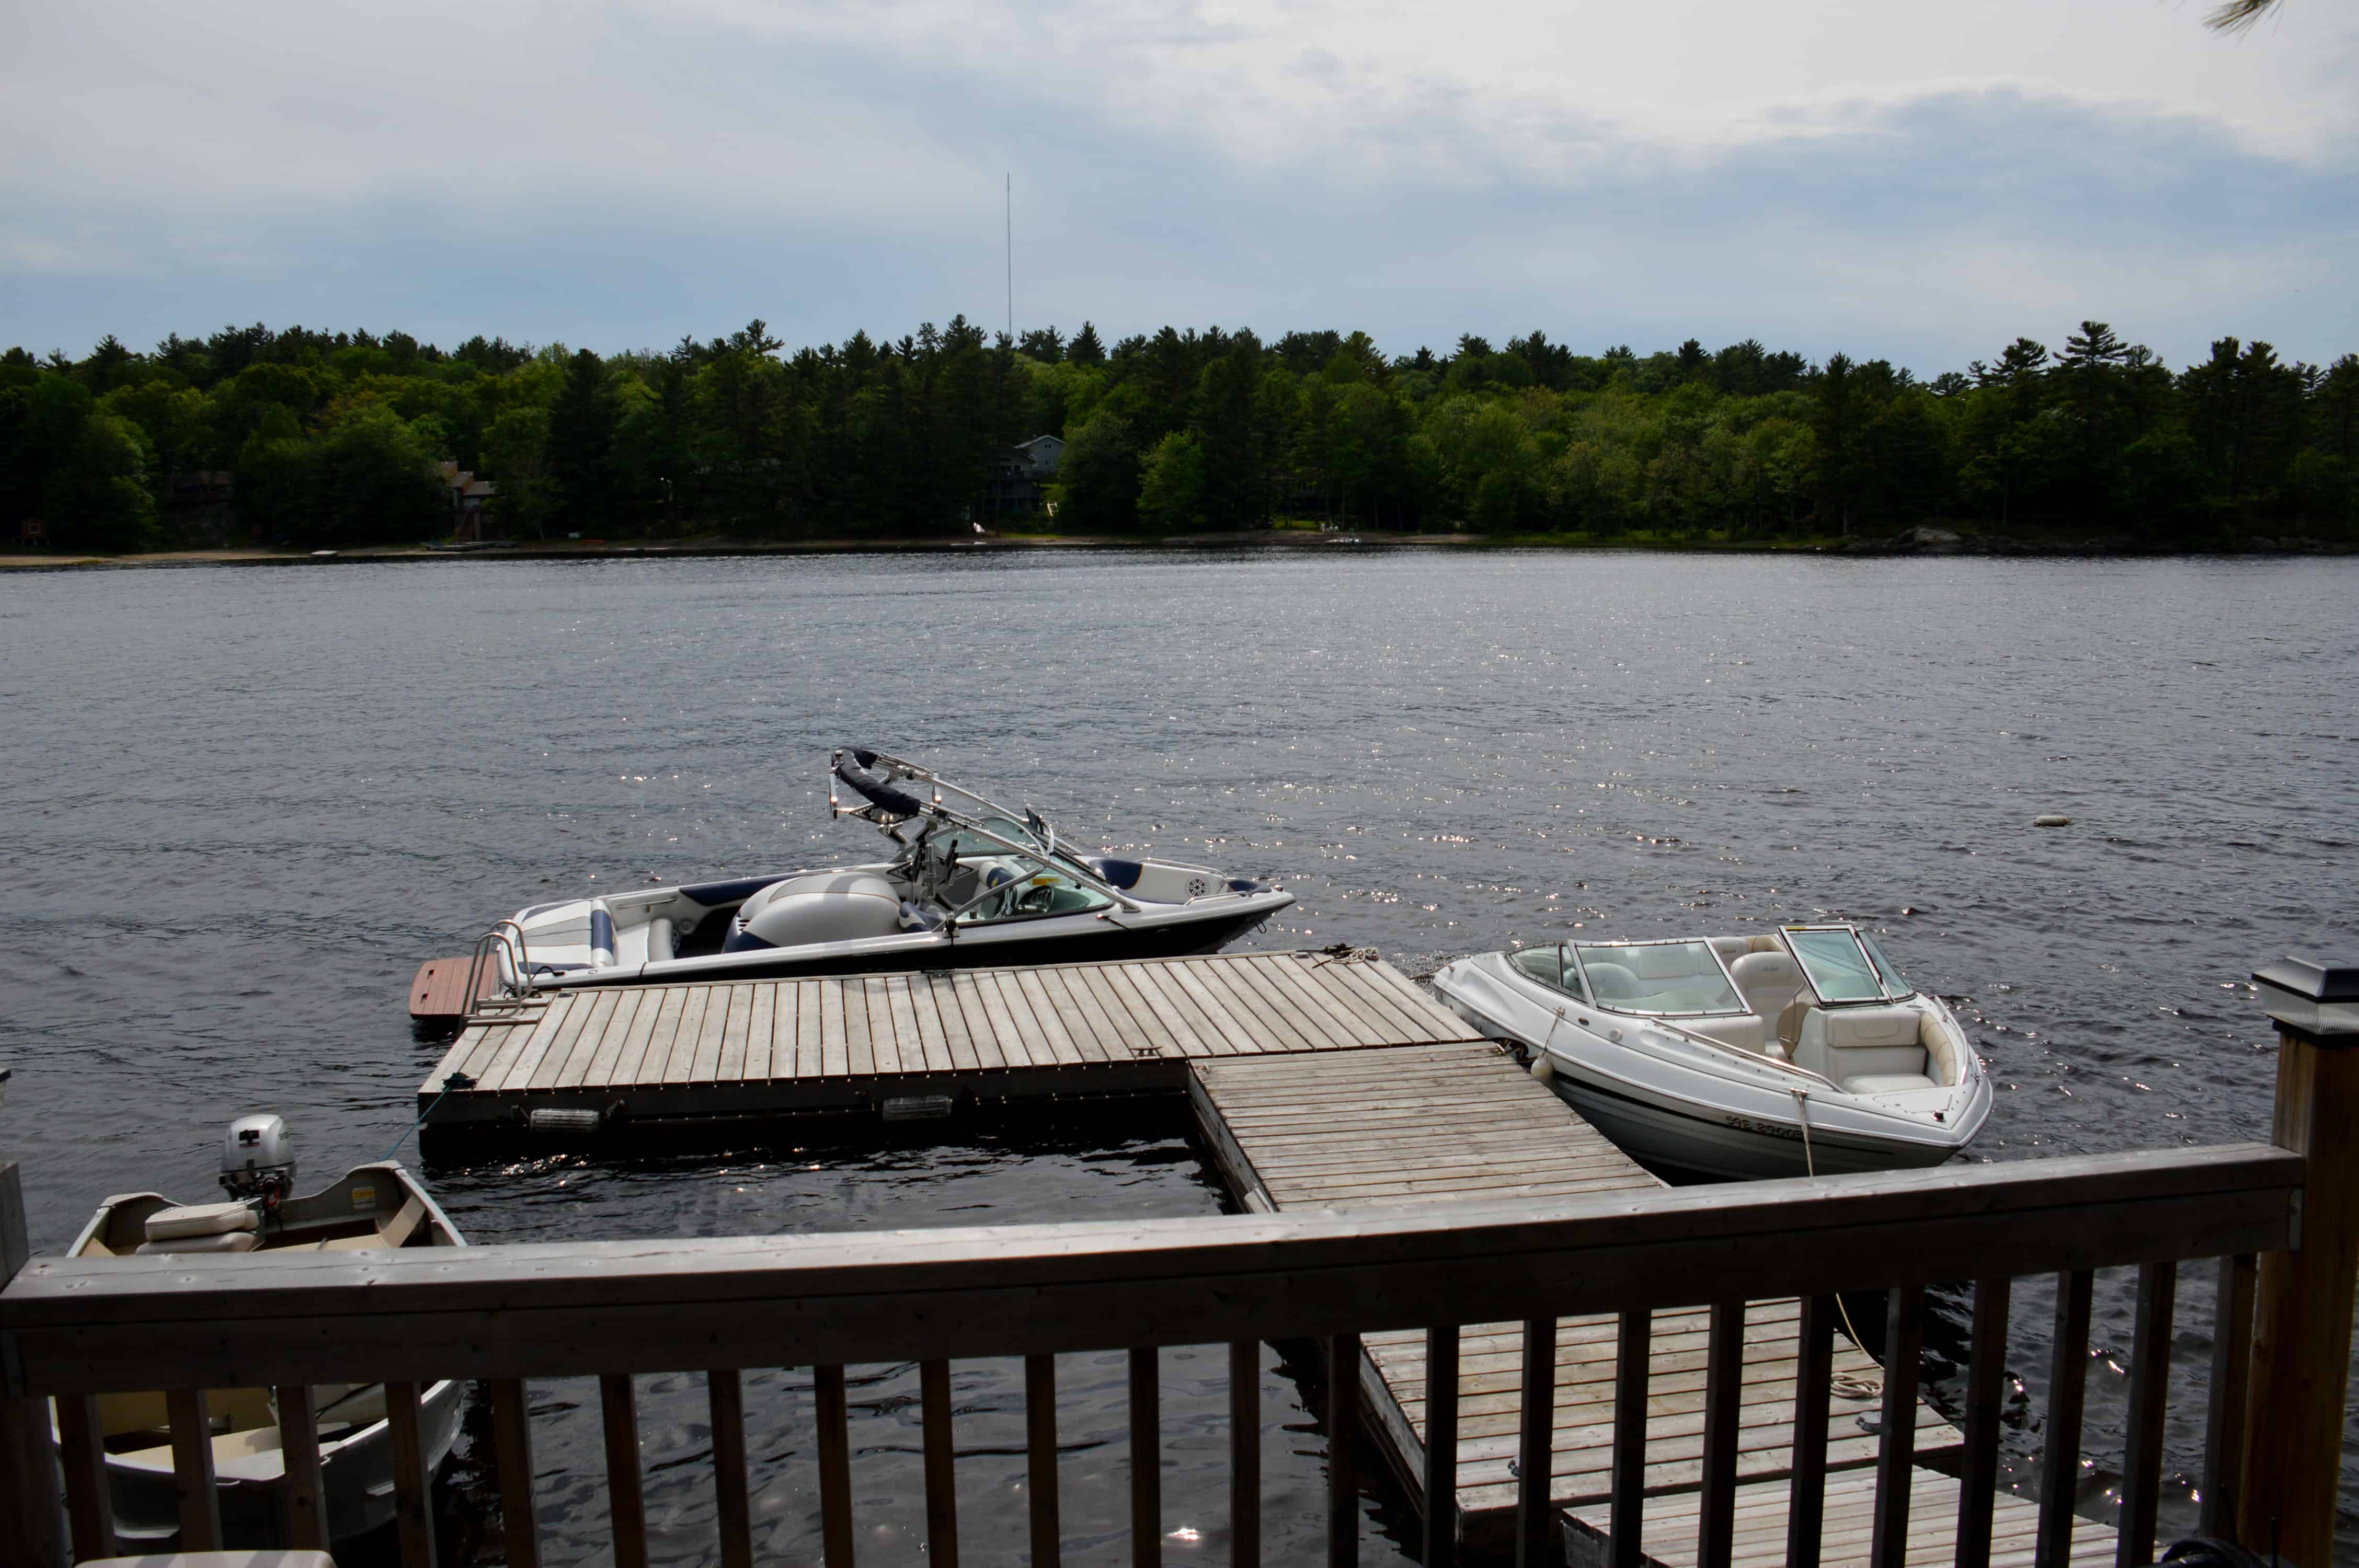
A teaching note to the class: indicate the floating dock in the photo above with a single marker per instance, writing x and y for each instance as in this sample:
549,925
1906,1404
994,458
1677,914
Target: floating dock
648,1054
1463,1124
1320,1080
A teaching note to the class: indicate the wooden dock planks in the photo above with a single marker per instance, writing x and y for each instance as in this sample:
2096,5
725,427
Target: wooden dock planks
1667,1532
851,1041
1461,1123
440,988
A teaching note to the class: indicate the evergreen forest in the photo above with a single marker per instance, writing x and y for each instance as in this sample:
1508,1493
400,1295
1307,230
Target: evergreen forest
310,438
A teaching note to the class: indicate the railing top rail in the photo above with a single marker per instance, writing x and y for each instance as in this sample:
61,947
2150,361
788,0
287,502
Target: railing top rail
581,1307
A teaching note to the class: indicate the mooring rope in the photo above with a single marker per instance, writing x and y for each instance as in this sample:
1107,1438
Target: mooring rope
1841,1383
455,1081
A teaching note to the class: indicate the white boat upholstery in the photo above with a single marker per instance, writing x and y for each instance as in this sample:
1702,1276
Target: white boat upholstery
1742,1031
1885,1083
231,1241
1858,1045
199,1219
1767,982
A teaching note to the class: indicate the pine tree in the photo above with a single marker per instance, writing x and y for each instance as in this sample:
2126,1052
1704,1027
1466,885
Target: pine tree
581,443
2090,372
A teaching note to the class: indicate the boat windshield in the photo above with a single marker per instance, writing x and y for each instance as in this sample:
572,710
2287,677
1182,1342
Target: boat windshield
1657,976
1551,966
1845,964
970,843
1896,984
967,845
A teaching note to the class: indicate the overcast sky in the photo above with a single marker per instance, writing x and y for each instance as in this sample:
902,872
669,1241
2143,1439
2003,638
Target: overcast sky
1915,181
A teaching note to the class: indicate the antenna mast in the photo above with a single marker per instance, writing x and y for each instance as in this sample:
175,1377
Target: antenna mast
1011,258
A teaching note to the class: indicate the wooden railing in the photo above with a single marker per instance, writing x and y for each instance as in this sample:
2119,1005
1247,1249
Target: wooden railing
503,1313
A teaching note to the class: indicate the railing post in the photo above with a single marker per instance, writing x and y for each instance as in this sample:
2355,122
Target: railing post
2302,1318
32,1517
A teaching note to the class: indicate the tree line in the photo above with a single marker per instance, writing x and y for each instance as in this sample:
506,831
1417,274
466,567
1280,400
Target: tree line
332,439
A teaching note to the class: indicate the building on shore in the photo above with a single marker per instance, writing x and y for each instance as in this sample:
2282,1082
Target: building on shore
1019,477
468,495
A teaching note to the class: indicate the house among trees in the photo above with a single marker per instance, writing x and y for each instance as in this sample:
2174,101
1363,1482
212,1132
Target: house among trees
200,487
468,495
1018,479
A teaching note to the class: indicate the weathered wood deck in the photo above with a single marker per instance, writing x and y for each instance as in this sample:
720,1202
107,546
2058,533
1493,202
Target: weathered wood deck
1461,1123
1669,1533
440,989
856,1042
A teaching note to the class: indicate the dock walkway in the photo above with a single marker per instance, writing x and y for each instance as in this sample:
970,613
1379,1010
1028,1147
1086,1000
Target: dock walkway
1463,1124
864,1042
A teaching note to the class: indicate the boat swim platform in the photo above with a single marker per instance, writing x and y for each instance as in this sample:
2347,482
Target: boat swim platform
908,1045
1455,1123
440,989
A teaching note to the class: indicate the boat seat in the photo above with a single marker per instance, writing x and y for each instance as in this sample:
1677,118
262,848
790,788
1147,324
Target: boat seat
1887,1083
1767,982
396,1231
1742,1031
1847,1043
250,1454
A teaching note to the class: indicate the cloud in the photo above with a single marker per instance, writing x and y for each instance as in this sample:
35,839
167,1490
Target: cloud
618,175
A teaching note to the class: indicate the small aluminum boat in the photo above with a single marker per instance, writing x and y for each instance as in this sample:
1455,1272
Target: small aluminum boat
1780,1055
971,883
369,1208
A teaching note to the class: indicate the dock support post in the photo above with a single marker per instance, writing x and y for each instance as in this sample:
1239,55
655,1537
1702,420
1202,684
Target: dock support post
32,1515
2303,1299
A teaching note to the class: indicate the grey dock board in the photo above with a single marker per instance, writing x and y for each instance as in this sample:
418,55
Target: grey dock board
1456,1122
1666,1532
846,1042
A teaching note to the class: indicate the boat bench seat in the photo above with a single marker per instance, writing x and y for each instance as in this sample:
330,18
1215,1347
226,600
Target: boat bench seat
1887,1083
1851,1043
1742,1031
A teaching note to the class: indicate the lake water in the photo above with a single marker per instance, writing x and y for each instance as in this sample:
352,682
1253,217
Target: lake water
242,805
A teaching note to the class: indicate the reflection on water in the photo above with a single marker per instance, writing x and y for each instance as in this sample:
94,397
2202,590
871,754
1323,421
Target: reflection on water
242,805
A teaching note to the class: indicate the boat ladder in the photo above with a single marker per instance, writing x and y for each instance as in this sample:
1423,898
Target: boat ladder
516,992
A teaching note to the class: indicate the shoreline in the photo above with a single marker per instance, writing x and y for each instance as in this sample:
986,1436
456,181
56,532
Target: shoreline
1923,542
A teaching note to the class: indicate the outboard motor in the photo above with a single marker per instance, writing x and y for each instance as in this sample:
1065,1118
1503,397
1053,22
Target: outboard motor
258,1159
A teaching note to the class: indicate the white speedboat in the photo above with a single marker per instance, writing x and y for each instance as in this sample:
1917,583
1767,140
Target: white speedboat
971,883
1780,1055
370,1208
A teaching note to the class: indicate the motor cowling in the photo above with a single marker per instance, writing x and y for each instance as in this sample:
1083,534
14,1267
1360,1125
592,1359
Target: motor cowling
258,1158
